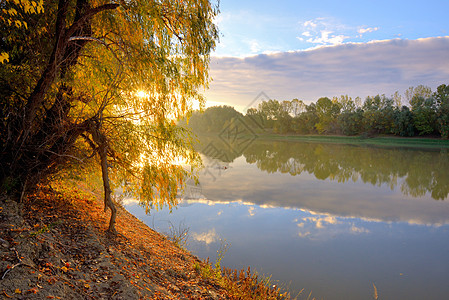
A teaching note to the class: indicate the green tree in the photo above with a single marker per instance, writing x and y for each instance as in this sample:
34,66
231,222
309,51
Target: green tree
269,110
327,112
275,115
351,122
403,122
422,91
306,121
213,120
346,103
105,80
378,114
424,114
442,101
297,107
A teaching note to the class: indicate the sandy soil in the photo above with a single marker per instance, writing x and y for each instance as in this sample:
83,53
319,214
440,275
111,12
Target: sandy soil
58,248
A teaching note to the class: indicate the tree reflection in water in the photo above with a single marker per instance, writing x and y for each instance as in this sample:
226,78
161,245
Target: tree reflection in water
422,170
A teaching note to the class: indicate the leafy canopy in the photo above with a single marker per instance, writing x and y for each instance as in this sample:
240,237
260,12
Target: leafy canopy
85,80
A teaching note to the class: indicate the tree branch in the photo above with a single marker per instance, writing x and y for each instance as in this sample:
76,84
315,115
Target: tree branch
86,38
89,14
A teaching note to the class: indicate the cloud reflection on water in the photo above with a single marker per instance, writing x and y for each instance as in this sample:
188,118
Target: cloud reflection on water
388,185
208,237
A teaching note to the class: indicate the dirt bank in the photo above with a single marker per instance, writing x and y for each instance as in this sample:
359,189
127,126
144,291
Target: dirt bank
59,249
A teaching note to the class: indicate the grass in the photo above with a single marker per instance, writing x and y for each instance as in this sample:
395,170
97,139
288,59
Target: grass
384,141
178,234
240,284
243,284
45,228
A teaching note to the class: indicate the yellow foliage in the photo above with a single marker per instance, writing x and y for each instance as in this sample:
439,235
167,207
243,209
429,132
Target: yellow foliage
14,18
4,57
159,47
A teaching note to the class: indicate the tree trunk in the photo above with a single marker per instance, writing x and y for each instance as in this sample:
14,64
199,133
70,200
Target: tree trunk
100,139
103,151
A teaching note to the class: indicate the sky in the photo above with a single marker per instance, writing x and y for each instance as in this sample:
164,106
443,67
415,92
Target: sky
288,49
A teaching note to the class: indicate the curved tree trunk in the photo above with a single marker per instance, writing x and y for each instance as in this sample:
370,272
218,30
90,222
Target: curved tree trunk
103,151
100,139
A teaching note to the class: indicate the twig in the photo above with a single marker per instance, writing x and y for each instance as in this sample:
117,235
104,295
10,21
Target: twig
86,38
66,155
17,264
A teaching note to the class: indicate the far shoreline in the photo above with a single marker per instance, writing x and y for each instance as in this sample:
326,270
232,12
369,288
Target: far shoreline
360,140
384,141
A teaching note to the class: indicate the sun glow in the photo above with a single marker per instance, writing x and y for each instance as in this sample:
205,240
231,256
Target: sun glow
142,94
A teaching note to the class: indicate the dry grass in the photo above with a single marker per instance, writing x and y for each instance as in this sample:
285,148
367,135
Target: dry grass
375,296
248,285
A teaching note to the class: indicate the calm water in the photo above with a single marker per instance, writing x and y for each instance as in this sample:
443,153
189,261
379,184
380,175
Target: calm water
332,219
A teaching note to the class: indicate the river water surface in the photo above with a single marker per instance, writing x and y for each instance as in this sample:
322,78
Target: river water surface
331,219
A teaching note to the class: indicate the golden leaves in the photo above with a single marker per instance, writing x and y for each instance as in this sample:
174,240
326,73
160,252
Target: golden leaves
24,6
15,18
4,57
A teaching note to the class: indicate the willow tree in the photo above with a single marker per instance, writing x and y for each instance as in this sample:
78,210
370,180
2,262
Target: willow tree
103,80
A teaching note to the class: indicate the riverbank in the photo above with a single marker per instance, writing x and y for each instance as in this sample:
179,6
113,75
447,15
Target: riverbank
58,248
383,141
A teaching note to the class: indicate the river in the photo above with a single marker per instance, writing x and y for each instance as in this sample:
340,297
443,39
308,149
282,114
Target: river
336,220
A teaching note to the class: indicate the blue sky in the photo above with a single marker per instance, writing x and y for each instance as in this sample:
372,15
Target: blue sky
254,27
259,35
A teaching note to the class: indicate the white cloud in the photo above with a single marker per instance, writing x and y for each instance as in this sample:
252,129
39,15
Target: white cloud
323,31
356,69
355,229
327,38
303,234
206,237
322,226
130,201
251,211
367,30
254,45
306,33
320,221
311,23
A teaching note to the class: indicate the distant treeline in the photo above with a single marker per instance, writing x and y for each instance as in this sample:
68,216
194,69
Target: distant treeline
426,113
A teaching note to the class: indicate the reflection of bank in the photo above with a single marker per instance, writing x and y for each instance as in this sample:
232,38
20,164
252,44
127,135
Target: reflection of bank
237,135
391,185
215,161
213,150
418,172
192,191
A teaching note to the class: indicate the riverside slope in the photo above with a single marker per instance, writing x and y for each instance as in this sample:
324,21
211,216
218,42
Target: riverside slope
58,248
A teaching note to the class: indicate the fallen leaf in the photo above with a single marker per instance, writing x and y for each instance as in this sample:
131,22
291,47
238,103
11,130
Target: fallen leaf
33,290
18,291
